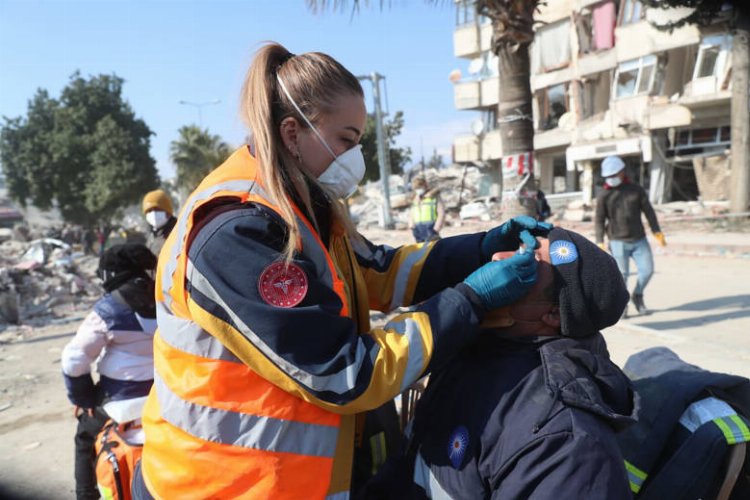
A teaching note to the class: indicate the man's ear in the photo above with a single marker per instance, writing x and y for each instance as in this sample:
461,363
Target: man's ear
552,317
289,129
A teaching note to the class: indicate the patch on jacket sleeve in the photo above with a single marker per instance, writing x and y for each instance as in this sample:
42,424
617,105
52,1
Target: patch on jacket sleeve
283,285
457,445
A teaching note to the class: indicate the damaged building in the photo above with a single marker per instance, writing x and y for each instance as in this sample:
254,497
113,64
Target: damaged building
605,81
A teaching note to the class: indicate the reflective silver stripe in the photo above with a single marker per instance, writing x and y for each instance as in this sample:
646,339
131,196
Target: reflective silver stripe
424,477
705,410
248,431
410,329
339,382
189,337
171,266
402,275
343,495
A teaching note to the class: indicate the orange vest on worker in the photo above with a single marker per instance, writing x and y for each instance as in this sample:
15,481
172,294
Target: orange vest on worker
214,427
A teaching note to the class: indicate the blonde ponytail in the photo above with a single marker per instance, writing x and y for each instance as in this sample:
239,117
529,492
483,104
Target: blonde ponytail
316,82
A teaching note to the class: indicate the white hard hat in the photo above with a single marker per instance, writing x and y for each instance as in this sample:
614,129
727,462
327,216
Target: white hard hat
612,165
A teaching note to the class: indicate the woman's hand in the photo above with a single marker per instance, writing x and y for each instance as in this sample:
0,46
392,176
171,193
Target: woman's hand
507,237
502,282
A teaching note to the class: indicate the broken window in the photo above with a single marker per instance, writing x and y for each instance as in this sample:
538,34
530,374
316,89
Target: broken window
635,77
596,27
551,48
595,91
712,55
553,103
631,11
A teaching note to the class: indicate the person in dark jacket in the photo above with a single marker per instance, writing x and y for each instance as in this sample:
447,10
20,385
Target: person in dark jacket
531,409
618,213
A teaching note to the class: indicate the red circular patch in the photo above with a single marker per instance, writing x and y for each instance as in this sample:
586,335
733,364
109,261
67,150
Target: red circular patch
283,285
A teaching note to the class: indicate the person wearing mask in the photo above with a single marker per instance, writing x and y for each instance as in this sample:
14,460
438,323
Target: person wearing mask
532,407
159,213
427,212
266,365
618,214
117,335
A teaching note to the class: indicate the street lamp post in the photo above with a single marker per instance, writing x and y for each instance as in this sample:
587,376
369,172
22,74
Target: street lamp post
383,156
200,106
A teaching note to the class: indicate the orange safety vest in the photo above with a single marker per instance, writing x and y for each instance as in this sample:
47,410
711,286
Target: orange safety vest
214,427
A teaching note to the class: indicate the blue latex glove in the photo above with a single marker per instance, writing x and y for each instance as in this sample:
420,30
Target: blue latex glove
502,282
506,237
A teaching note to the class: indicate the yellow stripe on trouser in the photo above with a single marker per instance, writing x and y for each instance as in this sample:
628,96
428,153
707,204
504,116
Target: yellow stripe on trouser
378,450
636,477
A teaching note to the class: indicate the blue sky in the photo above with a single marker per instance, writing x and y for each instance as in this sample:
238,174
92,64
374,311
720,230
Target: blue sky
172,50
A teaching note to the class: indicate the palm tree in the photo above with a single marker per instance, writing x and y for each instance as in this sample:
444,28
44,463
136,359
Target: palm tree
195,153
512,33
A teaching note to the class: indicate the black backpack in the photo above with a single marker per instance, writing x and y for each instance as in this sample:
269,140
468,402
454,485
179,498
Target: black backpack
691,438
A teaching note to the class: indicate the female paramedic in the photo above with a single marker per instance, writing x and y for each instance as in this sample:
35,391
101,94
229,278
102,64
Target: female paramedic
264,354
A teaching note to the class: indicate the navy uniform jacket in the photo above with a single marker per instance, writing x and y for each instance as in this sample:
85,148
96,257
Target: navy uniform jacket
517,419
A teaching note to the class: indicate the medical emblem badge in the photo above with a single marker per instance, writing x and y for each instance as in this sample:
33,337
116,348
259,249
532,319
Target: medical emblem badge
562,252
457,445
283,285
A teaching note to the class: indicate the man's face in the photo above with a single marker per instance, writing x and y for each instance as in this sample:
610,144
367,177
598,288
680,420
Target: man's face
539,305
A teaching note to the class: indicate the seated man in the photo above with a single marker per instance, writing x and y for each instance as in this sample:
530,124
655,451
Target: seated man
531,409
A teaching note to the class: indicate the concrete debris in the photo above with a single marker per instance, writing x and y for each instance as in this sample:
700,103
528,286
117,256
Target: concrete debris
458,186
43,280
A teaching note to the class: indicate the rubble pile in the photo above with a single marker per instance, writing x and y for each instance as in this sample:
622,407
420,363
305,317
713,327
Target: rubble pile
44,279
464,190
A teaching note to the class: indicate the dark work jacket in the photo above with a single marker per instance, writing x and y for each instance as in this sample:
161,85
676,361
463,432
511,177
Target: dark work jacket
672,462
618,212
517,419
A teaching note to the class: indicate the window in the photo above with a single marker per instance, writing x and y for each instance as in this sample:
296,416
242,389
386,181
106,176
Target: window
699,137
631,11
595,27
465,13
635,77
553,103
712,54
489,119
551,48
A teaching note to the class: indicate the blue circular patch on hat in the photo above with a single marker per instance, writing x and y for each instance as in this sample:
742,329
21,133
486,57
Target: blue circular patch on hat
562,252
457,445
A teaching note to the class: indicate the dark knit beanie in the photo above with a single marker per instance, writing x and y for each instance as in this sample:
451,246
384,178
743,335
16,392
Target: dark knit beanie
121,263
592,293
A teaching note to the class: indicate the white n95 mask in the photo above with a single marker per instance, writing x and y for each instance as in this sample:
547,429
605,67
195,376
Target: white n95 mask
346,171
613,181
156,218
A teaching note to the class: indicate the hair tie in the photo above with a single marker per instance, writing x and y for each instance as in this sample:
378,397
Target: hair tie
288,56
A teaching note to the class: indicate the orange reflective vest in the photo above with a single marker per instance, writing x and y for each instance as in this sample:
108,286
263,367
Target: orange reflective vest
216,428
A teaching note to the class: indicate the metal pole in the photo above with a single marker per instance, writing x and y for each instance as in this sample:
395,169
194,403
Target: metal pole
199,106
382,155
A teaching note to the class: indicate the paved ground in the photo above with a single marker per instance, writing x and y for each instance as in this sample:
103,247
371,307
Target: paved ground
701,311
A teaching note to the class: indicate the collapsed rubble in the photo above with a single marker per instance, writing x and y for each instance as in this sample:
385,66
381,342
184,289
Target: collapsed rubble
43,280
466,191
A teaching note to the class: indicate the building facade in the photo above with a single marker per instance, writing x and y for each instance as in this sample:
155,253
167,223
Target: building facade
605,81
